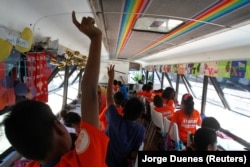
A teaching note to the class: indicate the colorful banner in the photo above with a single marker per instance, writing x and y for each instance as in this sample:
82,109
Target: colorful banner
224,68
182,69
238,69
36,64
174,68
196,69
190,68
166,68
210,68
247,75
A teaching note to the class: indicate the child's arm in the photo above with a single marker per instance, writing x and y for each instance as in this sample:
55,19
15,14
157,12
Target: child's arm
89,99
111,74
122,80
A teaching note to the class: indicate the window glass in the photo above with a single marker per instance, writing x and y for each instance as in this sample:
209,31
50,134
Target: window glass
237,94
56,81
73,77
3,140
55,102
134,77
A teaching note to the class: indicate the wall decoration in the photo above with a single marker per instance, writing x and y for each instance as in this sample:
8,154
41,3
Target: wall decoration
174,68
182,69
210,68
166,68
190,68
196,69
238,69
224,69
36,62
247,75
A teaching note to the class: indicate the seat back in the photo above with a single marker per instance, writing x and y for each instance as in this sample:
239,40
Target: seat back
173,132
151,105
157,120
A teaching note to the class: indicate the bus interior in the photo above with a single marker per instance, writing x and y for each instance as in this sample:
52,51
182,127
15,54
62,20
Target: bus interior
197,47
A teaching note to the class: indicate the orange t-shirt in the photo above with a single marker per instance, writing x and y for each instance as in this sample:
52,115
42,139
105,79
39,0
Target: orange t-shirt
166,111
102,117
91,147
115,88
157,93
103,102
186,123
169,103
139,93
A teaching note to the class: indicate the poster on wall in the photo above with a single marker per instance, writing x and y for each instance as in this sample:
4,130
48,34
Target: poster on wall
195,68
247,75
182,69
238,69
174,68
166,68
190,68
210,68
224,68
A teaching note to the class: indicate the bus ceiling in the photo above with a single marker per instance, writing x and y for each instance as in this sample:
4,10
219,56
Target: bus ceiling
147,31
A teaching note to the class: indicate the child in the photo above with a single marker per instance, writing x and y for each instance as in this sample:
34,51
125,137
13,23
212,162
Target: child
187,118
125,134
205,139
119,101
168,96
34,131
166,111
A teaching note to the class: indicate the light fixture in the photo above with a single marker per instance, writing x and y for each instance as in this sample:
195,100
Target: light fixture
162,25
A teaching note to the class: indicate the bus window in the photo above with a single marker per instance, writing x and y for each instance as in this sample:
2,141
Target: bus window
3,140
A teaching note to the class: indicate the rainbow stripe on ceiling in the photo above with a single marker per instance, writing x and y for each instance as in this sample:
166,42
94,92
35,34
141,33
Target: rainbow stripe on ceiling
216,11
128,20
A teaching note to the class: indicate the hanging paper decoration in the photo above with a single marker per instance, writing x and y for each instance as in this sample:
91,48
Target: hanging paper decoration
166,68
196,69
2,70
238,69
11,97
247,75
5,49
71,59
21,89
174,68
182,68
224,68
190,68
3,97
36,62
24,42
210,68
7,82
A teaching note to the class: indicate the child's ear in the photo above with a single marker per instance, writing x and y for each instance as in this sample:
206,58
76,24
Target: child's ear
210,147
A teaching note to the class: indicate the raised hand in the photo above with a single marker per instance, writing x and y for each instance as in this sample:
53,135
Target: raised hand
87,26
111,71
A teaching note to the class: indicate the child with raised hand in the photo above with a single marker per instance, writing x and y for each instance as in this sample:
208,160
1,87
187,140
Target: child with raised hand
126,135
34,131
